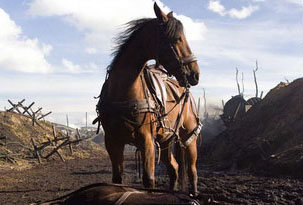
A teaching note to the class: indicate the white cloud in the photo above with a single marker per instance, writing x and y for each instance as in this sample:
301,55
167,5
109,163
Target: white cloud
275,46
194,29
217,7
100,20
94,14
243,13
299,2
91,50
244,43
46,49
70,66
19,53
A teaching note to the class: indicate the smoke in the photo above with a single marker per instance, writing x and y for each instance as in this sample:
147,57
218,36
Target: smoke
212,123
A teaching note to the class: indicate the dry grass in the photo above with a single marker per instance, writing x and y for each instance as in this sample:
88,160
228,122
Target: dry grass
17,152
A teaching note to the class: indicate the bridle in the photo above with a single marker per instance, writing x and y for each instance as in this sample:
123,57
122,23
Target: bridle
164,41
183,61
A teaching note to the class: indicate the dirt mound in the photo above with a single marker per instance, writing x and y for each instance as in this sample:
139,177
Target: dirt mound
16,148
269,137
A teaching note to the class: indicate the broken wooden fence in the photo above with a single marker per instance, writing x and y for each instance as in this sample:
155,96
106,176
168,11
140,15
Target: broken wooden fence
28,111
56,144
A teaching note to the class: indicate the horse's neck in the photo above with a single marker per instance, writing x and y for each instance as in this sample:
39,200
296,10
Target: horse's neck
124,82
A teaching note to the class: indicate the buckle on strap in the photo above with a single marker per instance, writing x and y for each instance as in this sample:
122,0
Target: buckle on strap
188,59
194,134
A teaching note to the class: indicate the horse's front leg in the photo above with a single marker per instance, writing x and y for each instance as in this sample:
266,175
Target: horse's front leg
115,152
171,164
148,160
191,152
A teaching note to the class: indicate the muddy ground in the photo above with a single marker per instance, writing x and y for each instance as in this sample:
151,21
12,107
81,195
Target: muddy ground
56,178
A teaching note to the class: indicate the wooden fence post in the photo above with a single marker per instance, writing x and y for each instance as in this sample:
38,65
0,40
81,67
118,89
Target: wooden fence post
36,151
56,150
69,144
54,134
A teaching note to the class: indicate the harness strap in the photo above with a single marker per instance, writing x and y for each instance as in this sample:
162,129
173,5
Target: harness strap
124,196
134,106
159,151
194,134
178,121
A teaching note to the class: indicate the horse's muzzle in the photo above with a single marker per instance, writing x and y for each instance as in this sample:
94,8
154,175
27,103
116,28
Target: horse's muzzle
193,78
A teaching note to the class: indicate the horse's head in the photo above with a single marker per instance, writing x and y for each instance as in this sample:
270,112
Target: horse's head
173,50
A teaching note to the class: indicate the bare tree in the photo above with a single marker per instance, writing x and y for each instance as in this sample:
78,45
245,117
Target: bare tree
255,78
237,72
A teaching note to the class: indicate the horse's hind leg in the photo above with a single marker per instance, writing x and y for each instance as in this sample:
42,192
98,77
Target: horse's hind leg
191,152
171,164
115,152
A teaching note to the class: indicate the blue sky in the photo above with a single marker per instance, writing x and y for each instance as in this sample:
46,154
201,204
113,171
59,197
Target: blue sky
55,52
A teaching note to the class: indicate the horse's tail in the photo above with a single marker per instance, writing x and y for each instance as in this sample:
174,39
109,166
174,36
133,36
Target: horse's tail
181,159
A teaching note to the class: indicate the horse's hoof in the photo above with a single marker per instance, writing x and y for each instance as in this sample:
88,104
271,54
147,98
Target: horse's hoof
194,195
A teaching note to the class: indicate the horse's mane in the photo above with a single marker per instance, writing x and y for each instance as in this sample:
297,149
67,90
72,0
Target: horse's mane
171,29
123,38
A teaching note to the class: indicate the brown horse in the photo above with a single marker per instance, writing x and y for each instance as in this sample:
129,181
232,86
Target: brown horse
114,194
124,109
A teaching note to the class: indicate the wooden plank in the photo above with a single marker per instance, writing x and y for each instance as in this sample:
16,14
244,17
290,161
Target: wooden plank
39,109
59,154
79,140
19,104
70,147
69,143
36,151
27,108
57,151
67,123
54,134
57,148
44,145
78,136
33,119
15,106
44,115
61,138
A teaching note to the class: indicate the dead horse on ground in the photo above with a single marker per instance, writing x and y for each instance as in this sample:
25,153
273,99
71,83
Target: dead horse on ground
116,194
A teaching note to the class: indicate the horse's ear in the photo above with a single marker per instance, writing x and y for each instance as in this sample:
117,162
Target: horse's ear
160,15
170,14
